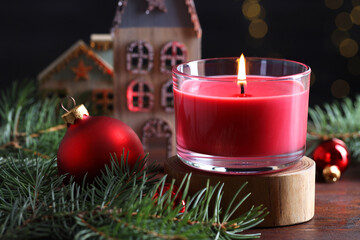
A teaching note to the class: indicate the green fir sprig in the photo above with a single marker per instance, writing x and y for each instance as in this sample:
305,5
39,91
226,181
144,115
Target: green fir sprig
24,117
120,204
336,120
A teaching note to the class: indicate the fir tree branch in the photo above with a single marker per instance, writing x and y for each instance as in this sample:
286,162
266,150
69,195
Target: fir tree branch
30,202
24,120
325,137
337,120
35,203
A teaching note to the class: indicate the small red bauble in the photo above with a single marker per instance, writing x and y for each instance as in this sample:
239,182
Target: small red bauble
331,153
178,200
90,141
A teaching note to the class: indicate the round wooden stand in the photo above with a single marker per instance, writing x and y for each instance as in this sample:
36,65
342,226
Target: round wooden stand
288,195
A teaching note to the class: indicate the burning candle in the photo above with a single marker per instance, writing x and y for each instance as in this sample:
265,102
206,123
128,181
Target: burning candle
241,122
241,77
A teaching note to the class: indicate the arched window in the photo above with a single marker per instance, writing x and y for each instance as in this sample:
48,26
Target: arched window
173,53
139,57
156,138
103,101
140,96
167,96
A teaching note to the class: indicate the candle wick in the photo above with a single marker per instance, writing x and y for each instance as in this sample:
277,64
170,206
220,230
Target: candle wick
242,88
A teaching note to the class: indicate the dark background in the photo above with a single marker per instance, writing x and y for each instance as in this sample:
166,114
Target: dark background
34,33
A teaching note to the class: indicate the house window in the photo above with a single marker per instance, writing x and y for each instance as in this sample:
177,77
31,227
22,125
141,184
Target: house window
140,96
103,101
167,96
172,54
139,57
156,139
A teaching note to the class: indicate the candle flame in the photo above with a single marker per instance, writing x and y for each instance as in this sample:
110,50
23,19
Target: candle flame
241,70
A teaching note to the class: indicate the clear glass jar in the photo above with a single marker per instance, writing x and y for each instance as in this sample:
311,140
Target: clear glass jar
221,130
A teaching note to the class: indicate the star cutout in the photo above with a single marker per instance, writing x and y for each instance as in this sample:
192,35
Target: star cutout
81,71
152,4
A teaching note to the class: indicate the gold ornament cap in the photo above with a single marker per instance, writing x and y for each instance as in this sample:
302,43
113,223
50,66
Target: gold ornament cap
77,112
331,173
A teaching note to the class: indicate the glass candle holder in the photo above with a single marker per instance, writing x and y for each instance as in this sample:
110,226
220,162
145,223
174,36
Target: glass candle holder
220,129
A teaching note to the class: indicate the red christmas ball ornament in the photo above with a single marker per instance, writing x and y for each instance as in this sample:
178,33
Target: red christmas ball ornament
178,200
89,143
332,158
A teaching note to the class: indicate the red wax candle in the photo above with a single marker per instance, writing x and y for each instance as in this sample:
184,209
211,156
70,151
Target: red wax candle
213,118
220,129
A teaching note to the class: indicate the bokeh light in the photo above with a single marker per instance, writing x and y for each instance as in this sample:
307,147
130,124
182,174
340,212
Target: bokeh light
354,65
355,15
348,48
340,88
251,9
333,4
343,21
338,36
258,28
256,13
355,2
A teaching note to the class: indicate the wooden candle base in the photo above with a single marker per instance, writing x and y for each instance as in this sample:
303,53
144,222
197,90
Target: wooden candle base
289,195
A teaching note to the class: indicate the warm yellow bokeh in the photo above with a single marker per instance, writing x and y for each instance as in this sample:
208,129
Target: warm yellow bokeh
343,21
258,28
340,88
334,4
355,2
251,9
355,15
348,48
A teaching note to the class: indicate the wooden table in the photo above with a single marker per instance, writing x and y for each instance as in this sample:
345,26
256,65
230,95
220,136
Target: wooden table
337,212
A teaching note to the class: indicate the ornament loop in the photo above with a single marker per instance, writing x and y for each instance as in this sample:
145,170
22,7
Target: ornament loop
62,106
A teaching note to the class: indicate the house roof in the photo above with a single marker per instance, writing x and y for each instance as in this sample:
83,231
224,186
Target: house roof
134,13
61,62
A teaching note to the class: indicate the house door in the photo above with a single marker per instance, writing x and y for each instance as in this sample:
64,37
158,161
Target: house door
156,138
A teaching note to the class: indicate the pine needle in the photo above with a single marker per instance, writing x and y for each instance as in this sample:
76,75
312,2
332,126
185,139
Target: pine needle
120,204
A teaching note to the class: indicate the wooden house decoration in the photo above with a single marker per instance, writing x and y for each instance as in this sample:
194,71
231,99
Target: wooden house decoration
81,73
127,74
149,38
